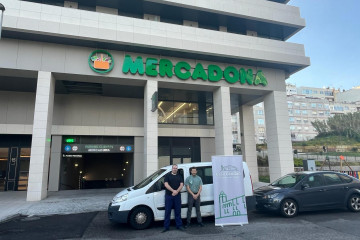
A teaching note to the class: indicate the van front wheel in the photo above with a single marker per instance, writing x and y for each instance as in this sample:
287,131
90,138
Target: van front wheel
141,218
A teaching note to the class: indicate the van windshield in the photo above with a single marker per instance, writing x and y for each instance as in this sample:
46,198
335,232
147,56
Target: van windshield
149,179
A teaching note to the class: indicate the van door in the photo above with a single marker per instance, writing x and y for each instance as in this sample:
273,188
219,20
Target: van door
158,191
207,193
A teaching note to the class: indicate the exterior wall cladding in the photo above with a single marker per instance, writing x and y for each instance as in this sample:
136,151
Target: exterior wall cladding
48,44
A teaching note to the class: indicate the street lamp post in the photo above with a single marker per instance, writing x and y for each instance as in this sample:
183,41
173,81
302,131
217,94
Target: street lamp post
2,9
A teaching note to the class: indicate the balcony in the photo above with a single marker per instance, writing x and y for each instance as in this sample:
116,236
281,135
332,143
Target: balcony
46,23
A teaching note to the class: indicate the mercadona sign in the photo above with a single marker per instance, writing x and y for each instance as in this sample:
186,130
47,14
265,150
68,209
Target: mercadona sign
182,70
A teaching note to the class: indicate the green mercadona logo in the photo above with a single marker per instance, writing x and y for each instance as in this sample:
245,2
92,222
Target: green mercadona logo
101,61
183,70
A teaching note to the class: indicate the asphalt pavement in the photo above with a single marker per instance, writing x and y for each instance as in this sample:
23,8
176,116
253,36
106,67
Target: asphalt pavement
335,224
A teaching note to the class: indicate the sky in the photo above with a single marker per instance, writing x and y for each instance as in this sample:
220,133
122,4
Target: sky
332,41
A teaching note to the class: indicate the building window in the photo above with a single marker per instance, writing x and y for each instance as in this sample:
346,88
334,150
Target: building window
307,91
297,112
298,120
303,104
290,111
338,108
290,104
321,113
320,105
261,130
291,119
314,113
292,127
185,107
304,112
260,112
261,121
327,93
313,105
297,104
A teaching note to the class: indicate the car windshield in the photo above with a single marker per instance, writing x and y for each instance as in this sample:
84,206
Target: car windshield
149,179
288,181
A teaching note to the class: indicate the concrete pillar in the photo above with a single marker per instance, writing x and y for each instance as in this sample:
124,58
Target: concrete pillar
222,115
207,146
248,144
150,130
278,135
55,161
41,137
138,159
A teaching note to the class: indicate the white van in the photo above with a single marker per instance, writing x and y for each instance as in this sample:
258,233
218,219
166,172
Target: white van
144,203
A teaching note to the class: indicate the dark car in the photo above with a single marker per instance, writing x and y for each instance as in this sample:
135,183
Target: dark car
307,191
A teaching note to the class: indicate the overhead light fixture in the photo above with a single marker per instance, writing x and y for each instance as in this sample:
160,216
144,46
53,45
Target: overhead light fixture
174,112
76,164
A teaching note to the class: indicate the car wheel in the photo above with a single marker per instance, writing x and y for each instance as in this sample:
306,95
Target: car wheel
354,203
289,208
141,218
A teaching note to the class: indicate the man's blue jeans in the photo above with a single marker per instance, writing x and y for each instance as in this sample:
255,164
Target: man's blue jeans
170,203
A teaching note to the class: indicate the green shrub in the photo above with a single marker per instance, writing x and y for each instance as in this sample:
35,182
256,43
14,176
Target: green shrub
264,179
298,162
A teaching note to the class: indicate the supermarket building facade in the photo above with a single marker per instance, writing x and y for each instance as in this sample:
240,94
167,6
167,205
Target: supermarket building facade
100,95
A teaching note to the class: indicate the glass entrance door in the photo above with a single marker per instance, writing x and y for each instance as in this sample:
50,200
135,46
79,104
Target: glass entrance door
16,173
23,169
4,158
178,150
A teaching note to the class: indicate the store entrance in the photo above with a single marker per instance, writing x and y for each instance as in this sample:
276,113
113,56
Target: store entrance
14,162
97,170
178,150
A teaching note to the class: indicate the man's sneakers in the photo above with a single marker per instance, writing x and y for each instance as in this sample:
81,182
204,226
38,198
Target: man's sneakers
188,225
165,230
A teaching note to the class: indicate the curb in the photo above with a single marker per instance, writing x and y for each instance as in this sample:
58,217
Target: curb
10,217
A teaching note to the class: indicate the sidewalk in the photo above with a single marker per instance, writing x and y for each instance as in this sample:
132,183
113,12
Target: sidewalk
63,202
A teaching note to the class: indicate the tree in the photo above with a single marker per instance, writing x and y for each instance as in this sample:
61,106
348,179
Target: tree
347,125
320,126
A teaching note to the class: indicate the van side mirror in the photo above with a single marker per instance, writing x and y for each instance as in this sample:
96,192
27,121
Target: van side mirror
304,186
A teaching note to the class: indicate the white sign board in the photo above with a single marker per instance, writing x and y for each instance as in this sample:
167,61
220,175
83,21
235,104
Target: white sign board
229,192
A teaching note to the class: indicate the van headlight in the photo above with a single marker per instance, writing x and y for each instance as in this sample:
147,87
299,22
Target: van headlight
121,198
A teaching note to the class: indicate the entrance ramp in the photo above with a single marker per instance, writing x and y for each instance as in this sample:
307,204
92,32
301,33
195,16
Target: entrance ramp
13,204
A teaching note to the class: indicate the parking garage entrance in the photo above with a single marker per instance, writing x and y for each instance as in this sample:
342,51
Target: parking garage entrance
96,162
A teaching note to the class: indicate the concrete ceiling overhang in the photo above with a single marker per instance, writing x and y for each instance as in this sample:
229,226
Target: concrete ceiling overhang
289,68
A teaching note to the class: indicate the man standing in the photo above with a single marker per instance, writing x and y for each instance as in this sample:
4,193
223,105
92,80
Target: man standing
173,183
194,186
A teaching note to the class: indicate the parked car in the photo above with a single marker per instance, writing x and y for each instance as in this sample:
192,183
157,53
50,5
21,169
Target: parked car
144,203
307,191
